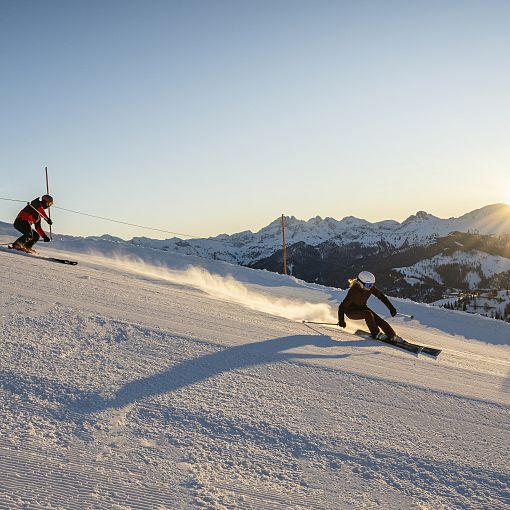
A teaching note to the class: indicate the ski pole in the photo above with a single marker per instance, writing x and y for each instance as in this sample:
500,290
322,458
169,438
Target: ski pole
48,192
405,315
323,323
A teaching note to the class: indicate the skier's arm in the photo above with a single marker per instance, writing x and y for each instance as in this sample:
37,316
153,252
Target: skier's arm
341,309
341,317
42,212
39,230
379,295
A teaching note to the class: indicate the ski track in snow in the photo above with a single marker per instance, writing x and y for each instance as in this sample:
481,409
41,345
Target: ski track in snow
122,390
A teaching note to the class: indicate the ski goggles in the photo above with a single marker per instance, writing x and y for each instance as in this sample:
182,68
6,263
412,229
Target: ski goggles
366,285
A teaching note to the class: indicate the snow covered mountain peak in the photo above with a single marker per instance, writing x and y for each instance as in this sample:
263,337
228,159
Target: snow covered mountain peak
499,208
420,216
495,214
352,221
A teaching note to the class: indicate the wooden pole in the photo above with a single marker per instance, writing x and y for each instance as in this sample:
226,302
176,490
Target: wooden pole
47,193
284,247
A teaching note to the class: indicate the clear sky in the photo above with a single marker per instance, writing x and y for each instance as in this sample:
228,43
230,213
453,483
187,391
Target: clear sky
208,117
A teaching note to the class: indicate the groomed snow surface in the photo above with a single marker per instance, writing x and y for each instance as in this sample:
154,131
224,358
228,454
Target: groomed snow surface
160,381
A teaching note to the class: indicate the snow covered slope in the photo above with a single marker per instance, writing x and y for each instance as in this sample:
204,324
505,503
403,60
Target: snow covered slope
158,381
482,265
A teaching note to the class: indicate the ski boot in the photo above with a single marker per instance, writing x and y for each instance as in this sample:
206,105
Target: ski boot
23,247
18,246
396,339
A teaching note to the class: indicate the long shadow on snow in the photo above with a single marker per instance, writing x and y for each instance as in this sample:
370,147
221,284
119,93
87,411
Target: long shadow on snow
396,467
199,369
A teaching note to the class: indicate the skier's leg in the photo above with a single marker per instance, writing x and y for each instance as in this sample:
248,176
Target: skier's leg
368,316
26,229
31,242
381,323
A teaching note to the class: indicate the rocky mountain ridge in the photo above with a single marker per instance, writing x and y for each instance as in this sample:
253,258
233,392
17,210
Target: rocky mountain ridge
419,229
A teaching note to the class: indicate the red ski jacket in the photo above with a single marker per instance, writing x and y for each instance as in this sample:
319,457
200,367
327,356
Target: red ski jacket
33,213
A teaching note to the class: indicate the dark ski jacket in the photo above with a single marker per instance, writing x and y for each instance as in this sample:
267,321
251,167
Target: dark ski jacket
357,298
33,213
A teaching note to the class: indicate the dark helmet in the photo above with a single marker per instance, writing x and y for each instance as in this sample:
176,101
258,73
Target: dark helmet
47,200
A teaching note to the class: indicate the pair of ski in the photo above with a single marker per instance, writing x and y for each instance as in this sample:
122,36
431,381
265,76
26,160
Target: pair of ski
402,344
44,257
397,342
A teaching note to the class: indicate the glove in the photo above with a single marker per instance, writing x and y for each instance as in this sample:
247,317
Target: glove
46,239
49,222
393,311
342,323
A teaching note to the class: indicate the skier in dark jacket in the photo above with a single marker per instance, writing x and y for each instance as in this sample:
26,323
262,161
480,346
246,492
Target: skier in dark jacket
355,306
30,216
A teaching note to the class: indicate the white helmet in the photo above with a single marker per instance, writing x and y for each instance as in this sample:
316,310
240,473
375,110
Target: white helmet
366,279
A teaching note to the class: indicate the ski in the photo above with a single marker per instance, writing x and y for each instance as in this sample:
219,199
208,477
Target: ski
402,344
431,351
60,261
44,257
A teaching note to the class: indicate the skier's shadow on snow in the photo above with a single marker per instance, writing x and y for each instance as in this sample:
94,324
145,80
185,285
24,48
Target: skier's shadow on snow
200,369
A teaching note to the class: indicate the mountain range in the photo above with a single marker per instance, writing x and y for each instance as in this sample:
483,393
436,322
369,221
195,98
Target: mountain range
420,229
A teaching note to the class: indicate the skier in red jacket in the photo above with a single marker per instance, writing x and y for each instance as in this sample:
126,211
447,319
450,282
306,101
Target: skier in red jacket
28,222
355,306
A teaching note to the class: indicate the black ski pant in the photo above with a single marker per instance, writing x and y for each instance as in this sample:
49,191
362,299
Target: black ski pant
29,237
374,322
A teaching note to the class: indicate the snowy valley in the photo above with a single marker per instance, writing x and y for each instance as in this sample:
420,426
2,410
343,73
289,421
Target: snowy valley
146,379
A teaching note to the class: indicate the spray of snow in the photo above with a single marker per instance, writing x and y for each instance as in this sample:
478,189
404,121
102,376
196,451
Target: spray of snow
227,288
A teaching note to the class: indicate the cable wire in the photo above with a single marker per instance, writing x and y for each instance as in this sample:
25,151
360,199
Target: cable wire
122,222
12,200
110,219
